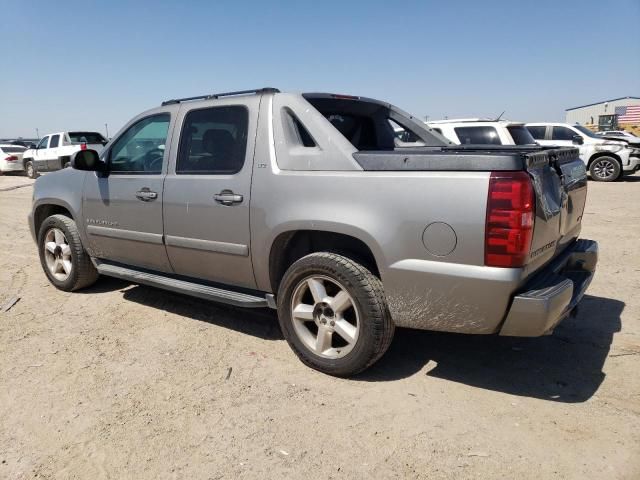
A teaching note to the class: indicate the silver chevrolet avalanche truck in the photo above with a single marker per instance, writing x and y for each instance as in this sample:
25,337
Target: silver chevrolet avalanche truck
311,204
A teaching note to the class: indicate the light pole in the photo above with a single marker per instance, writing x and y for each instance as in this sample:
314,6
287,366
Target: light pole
106,128
37,134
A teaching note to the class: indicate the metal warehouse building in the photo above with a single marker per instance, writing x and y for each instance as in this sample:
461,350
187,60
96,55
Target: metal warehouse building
608,114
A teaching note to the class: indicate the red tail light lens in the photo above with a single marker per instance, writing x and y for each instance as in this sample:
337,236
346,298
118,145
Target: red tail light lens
11,158
83,146
510,216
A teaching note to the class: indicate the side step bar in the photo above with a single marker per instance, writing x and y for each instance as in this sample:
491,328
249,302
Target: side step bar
181,286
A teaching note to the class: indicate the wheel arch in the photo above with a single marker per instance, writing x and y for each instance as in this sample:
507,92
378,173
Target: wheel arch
44,210
292,245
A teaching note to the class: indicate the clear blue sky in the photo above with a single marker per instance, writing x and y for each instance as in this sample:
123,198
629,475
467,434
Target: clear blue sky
81,64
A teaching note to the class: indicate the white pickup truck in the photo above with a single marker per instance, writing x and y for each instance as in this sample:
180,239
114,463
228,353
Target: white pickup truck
54,151
607,160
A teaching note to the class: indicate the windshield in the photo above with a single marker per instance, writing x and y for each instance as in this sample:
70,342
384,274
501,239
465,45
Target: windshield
586,131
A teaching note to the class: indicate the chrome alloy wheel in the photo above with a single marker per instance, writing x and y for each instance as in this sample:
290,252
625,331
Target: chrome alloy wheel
604,168
325,317
57,254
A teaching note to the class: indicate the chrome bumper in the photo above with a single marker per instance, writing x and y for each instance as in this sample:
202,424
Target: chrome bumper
552,294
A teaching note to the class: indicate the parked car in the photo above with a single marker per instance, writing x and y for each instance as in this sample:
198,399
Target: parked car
23,142
54,151
607,160
11,158
478,131
310,204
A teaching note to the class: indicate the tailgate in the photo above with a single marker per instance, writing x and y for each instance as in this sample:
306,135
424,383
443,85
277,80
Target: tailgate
560,182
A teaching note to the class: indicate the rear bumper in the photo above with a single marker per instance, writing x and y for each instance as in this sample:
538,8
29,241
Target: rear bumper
11,166
552,294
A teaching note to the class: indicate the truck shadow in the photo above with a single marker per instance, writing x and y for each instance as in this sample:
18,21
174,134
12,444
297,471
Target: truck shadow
631,178
259,322
563,367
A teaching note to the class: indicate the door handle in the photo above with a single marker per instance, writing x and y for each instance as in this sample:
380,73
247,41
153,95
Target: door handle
227,197
146,195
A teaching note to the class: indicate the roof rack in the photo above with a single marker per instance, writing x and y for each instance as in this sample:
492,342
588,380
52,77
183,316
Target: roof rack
218,95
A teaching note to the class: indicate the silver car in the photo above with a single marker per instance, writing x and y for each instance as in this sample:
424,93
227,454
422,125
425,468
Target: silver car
312,204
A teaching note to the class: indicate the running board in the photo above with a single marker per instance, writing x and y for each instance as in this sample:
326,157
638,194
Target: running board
181,286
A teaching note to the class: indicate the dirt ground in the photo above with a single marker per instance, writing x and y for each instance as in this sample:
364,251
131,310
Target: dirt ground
124,381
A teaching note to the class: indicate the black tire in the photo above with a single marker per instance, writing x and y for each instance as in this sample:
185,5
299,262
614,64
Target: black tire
30,169
605,169
376,327
83,273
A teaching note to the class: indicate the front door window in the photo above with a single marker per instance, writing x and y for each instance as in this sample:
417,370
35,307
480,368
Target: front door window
141,148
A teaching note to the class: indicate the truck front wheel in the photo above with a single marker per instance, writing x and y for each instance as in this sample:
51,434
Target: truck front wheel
63,258
605,169
333,313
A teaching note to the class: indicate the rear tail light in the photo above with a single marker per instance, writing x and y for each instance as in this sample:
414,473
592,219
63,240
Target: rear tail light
510,216
83,146
11,158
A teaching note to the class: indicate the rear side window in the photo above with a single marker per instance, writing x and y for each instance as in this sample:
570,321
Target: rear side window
213,141
295,131
520,135
537,132
478,136
55,141
437,130
562,133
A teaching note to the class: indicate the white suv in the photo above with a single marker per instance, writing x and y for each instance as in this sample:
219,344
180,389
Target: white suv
606,159
478,131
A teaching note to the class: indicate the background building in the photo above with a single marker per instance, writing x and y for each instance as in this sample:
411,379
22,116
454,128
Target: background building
623,112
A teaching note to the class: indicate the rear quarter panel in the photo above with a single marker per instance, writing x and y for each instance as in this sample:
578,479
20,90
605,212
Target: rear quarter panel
390,211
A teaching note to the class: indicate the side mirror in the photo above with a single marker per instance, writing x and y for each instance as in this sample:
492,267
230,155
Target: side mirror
87,160
578,140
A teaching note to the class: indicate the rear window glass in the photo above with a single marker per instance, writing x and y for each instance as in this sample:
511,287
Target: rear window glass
296,132
537,132
365,124
13,149
521,135
86,137
477,136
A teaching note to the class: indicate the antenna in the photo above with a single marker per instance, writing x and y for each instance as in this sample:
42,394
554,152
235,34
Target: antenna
499,116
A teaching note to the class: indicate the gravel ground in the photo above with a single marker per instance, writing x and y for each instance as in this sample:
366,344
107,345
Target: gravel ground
124,381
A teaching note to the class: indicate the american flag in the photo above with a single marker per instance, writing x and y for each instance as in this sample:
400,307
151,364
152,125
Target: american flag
629,114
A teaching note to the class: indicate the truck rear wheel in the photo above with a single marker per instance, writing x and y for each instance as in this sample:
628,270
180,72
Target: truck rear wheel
605,169
333,313
63,258
30,168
